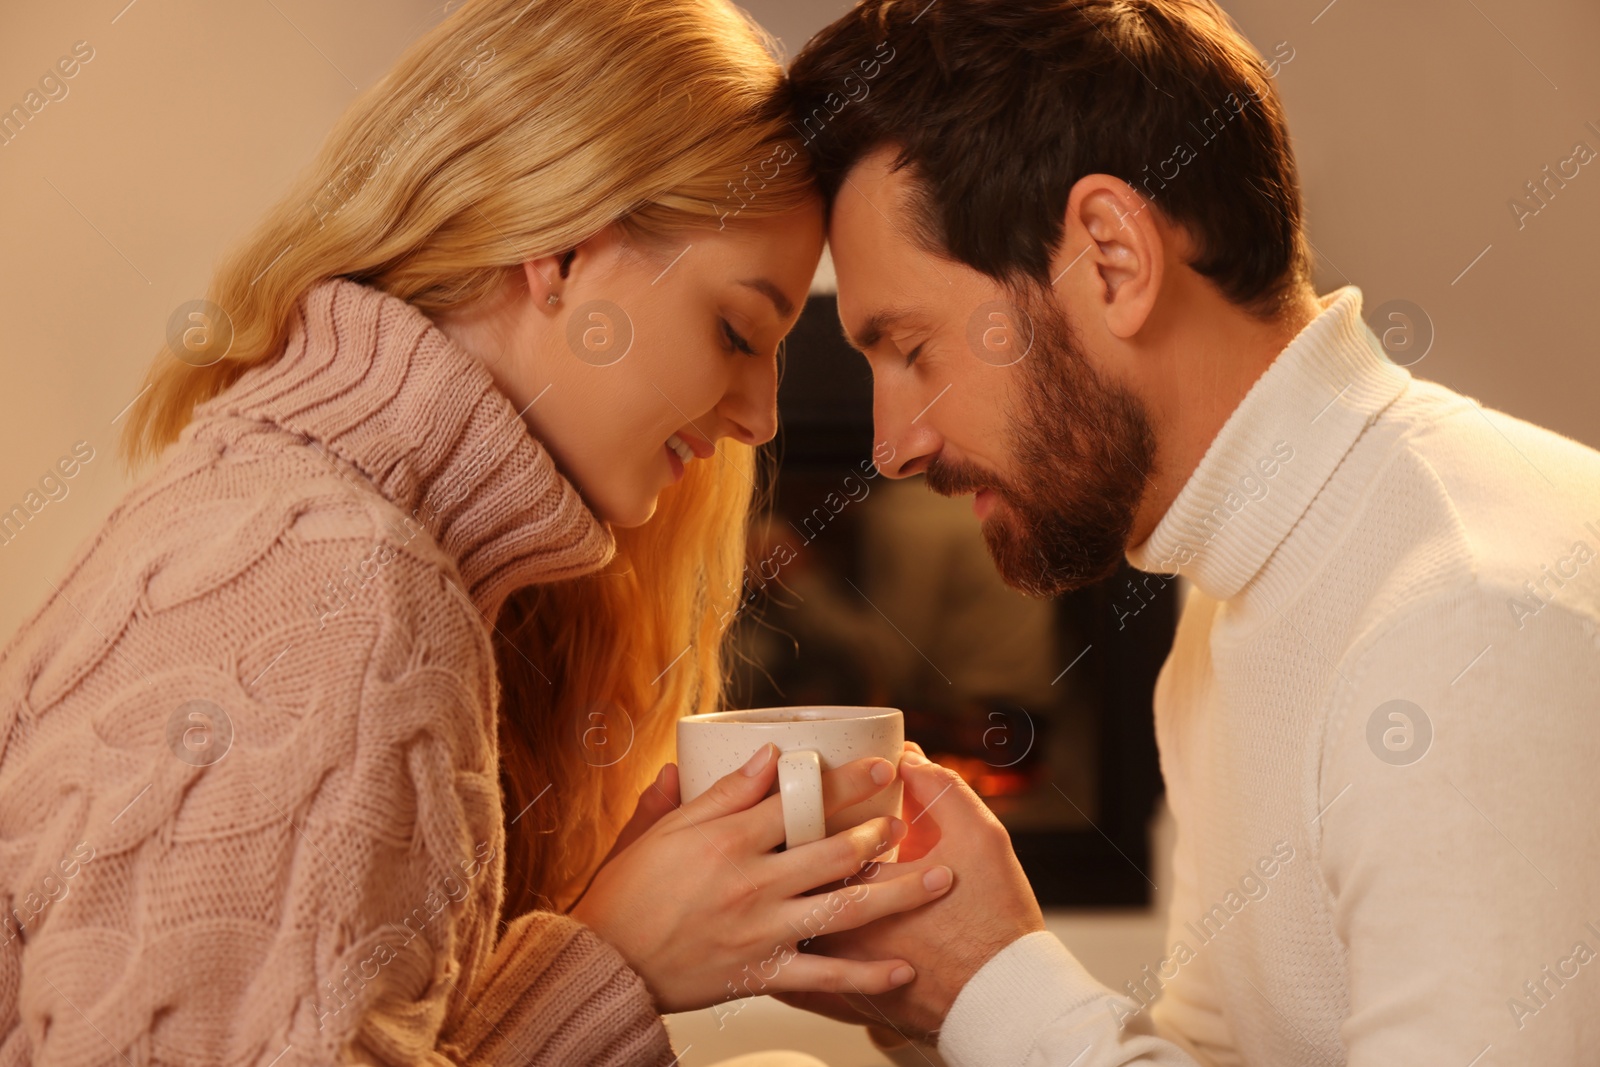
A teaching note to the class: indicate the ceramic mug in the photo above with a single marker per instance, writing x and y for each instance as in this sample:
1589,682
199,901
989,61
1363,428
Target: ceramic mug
810,739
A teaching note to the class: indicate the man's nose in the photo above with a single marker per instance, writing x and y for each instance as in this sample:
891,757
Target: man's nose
903,431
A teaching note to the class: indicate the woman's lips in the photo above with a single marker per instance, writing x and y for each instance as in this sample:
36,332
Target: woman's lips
698,448
674,462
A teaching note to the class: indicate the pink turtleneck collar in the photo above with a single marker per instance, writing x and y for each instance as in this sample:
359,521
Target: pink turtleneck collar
371,380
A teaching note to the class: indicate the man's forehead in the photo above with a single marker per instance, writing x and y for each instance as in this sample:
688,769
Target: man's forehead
869,247
871,198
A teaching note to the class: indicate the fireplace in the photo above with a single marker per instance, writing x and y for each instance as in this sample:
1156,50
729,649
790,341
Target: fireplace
863,590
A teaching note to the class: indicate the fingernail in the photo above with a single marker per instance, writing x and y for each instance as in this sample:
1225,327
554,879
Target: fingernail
883,772
936,879
661,775
912,759
897,828
901,975
759,761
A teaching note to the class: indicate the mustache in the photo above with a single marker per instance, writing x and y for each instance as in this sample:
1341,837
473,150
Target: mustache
955,479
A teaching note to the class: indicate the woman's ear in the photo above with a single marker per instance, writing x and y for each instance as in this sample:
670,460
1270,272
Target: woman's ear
549,276
545,280
1122,242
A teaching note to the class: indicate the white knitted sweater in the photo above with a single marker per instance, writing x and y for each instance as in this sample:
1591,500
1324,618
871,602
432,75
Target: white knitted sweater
1378,732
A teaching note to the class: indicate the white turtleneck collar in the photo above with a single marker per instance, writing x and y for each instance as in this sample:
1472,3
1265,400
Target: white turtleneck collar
1275,452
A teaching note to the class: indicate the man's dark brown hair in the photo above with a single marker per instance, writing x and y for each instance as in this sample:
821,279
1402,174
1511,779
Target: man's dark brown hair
1000,106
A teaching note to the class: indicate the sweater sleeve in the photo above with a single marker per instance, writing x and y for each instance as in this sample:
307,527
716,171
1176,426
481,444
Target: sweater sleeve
329,890
1034,1004
555,993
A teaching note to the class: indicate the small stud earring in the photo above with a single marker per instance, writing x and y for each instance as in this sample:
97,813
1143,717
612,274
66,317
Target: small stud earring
552,299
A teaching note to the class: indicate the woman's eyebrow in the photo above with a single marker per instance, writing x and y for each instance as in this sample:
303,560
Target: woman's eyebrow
766,288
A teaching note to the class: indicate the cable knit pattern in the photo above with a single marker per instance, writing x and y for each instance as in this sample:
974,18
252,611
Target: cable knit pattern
249,799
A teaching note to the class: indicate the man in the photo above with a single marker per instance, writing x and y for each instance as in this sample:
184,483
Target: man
1068,238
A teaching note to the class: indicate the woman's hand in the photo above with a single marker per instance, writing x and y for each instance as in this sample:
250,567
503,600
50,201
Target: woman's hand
704,910
659,798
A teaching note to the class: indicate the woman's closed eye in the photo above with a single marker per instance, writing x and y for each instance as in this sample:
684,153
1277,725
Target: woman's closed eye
735,341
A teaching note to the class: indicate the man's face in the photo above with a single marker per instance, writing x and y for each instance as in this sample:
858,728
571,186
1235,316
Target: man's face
987,393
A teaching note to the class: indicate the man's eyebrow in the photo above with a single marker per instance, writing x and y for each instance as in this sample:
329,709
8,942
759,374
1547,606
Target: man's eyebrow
772,293
877,324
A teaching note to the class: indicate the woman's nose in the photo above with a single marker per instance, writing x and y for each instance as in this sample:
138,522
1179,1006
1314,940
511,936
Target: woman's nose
750,407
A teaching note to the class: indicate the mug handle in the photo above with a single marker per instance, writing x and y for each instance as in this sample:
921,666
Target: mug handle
800,788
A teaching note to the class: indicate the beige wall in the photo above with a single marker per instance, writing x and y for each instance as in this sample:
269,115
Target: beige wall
1415,124
116,199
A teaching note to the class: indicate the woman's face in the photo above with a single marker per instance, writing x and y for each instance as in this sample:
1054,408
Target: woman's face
651,356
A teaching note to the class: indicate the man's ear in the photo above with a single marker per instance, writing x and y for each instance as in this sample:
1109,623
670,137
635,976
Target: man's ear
1115,231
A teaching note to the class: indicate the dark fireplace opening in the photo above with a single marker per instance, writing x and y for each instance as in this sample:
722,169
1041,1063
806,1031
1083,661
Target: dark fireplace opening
865,590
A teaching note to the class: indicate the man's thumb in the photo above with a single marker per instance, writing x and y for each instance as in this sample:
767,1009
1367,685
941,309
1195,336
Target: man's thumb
928,785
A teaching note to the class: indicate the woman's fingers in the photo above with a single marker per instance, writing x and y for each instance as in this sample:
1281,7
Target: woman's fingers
737,791
864,902
848,784
880,871
806,972
854,782
838,857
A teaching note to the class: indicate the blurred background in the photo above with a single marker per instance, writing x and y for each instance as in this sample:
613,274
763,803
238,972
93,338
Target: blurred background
1417,125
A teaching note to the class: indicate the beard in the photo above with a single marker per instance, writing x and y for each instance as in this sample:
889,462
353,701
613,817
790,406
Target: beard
1088,449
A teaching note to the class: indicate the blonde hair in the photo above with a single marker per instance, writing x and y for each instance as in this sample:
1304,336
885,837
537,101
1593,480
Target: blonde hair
509,131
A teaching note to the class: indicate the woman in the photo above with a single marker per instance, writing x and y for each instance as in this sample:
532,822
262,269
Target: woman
326,732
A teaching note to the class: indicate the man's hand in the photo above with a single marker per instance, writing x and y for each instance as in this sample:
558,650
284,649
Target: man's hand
947,941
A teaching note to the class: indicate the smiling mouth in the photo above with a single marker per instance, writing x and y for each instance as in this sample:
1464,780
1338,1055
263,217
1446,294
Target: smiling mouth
688,446
681,447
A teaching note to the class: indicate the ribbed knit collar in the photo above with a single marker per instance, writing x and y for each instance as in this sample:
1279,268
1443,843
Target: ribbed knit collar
1275,453
371,380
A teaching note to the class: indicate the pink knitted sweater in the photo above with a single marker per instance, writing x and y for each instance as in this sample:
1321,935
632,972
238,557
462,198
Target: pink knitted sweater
249,800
